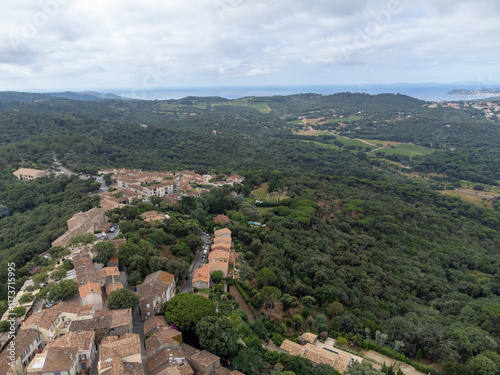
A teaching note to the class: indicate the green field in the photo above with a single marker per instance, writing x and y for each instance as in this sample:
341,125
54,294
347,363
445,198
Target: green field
350,118
260,106
296,122
345,141
400,151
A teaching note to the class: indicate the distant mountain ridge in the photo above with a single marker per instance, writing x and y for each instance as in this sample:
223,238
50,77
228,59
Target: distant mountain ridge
10,96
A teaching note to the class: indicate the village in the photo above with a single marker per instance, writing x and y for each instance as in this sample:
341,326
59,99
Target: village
82,335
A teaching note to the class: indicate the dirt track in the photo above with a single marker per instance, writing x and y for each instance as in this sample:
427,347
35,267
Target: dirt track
237,296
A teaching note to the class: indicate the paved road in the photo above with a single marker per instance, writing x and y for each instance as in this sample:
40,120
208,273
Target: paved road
59,166
103,187
188,287
114,234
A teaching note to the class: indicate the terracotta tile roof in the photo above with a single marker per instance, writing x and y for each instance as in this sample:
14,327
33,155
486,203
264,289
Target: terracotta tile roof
344,359
214,266
119,318
89,288
29,172
44,319
202,274
167,277
5,362
224,371
309,337
160,363
292,348
103,320
205,358
221,246
222,219
319,355
188,350
54,359
219,254
114,347
86,310
221,232
114,350
153,323
161,337
110,288
107,271
338,359
80,340
118,242
90,277
23,339
222,239
68,307
155,285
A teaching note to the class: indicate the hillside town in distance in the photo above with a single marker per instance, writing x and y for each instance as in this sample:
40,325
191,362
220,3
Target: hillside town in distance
82,335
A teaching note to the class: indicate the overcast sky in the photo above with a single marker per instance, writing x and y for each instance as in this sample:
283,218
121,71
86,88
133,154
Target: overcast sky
76,44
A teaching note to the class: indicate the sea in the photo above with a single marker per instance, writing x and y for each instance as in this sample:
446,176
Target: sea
424,91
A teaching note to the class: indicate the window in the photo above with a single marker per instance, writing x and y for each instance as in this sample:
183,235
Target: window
147,305
83,357
149,313
84,366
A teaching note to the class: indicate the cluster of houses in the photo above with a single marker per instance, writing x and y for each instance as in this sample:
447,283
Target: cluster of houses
318,353
64,338
490,109
220,258
134,183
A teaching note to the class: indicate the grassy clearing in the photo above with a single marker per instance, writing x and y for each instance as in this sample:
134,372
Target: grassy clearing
260,106
350,118
471,197
295,122
263,210
397,151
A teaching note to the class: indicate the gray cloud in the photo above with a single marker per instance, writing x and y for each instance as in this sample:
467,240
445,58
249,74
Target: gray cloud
70,44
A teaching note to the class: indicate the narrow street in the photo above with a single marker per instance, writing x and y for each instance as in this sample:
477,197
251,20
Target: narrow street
188,287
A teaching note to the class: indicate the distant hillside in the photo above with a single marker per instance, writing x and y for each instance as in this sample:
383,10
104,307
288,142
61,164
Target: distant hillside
475,92
12,96
85,95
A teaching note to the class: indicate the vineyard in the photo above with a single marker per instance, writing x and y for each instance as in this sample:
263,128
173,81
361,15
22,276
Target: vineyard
261,192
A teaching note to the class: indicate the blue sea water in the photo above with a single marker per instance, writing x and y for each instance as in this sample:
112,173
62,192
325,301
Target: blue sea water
424,91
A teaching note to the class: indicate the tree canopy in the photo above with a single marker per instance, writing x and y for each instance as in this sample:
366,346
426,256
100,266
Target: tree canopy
186,310
217,335
122,299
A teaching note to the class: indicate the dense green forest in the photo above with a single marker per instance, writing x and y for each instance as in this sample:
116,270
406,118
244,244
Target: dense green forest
355,248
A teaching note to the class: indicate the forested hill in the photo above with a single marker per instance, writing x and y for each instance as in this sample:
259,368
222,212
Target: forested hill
352,242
